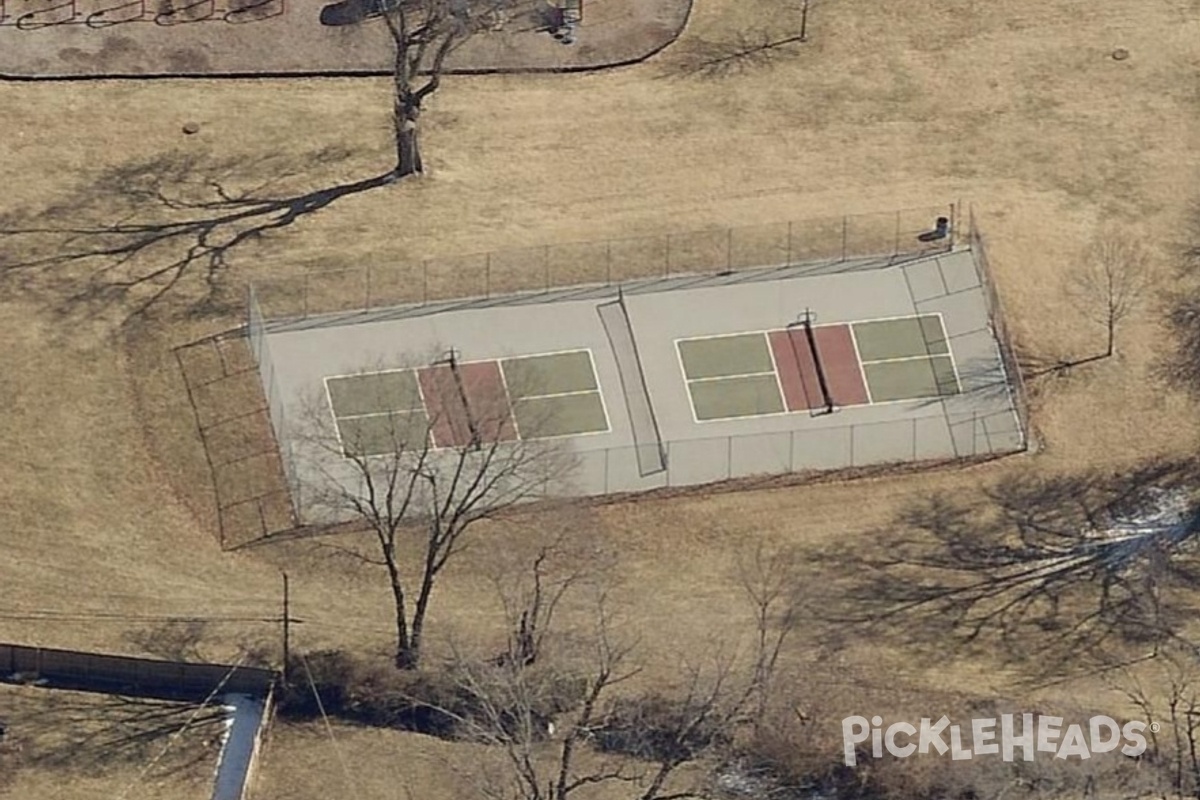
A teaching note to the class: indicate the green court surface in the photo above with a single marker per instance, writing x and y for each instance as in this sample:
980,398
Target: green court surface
911,379
722,356
907,337
375,393
556,373
381,434
556,394
560,415
736,397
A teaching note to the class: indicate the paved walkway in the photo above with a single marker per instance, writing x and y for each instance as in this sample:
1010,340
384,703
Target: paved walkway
73,38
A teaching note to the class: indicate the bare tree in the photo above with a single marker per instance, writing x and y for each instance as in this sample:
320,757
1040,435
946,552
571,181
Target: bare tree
734,53
1059,569
636,742
420,480
1111,282
424,33
770,579
1182,367
1167,691
560,552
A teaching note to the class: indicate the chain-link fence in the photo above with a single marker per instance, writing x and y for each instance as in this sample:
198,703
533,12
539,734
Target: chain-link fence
259,347
720,255
902,234
691,462
1008,356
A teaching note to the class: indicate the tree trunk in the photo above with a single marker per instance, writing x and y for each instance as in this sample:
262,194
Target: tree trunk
416,634
408,152
407,652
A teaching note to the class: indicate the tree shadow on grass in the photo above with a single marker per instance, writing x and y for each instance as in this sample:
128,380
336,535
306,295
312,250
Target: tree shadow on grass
1053,573
1179,367
91,734
164,229
734,53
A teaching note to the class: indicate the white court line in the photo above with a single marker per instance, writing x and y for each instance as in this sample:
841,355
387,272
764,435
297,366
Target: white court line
368,374
560,394
337,429
862,372
687,384
906,358
772,371
380,414
512,409
775,371
758,332
886,319
547,353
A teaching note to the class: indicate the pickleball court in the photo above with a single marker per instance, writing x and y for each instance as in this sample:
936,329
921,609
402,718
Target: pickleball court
670,382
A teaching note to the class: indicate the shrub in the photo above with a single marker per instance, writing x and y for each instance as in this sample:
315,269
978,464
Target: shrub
657,728
438,703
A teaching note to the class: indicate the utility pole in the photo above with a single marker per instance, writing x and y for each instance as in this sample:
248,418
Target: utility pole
287,620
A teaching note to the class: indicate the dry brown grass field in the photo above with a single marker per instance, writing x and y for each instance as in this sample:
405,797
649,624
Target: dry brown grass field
1017,108
75,746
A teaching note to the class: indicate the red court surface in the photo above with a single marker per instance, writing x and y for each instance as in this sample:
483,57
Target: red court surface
798,371
467,403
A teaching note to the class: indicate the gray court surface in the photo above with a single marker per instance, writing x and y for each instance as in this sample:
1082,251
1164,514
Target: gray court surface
654,432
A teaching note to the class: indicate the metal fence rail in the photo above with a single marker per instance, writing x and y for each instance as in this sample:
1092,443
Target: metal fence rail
1008,356
610,262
